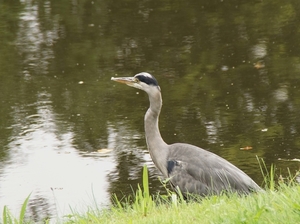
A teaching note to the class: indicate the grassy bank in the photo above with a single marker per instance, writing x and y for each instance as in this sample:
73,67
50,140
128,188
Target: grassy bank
282,206
280,203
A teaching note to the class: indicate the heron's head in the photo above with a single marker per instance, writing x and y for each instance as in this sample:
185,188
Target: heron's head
143,81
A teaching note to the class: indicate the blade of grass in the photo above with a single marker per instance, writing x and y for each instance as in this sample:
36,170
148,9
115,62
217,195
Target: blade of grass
272,177
5,215
269,176
23,210
145,182
117,201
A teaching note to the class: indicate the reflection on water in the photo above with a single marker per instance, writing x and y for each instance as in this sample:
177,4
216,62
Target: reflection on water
130,156
42,161
34,40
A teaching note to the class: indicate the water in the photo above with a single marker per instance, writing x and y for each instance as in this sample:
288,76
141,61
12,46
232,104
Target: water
229,74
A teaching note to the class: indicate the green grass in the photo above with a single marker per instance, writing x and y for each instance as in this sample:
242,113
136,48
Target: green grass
271,207
279,203
9,219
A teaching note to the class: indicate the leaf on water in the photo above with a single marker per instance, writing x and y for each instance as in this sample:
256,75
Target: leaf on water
246,148
259,65
104,150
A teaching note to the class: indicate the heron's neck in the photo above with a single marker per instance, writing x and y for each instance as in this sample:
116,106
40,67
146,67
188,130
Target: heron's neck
157,147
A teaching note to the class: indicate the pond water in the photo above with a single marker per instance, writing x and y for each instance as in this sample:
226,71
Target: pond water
70,138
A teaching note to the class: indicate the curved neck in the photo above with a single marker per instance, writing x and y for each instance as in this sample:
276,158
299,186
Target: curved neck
157,147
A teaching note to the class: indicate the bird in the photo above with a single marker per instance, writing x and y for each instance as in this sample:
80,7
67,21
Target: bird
191,169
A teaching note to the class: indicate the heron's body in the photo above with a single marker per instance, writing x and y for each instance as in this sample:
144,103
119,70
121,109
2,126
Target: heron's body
202,176
192,169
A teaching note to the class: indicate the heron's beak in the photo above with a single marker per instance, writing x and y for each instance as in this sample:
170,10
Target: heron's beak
130,81
126,80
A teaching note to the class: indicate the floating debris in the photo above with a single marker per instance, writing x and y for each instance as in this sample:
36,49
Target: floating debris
104,150
290,160
259,65
246,148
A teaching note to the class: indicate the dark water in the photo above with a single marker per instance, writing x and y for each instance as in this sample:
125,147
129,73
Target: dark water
229,73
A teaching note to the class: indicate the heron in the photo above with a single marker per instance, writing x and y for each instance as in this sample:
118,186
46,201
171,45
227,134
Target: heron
190,168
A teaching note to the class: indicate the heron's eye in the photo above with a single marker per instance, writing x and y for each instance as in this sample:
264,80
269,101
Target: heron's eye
136,80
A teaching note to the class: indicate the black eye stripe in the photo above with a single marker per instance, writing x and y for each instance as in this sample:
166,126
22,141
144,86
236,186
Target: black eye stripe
149,79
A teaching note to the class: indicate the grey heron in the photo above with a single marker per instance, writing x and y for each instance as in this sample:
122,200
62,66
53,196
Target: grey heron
190,168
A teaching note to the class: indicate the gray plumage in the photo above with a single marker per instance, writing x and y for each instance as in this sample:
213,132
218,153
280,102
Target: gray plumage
190,168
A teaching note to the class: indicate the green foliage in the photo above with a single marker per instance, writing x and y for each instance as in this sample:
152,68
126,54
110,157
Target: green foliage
9,219
279,203
269,176
143,199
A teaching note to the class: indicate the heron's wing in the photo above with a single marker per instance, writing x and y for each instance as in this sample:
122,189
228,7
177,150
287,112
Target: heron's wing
192,179
195,170
180,176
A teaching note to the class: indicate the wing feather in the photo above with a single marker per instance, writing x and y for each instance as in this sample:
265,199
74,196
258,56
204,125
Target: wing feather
198,171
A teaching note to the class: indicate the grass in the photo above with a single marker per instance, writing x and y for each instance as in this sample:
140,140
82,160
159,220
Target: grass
279,203
9,219
269,207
